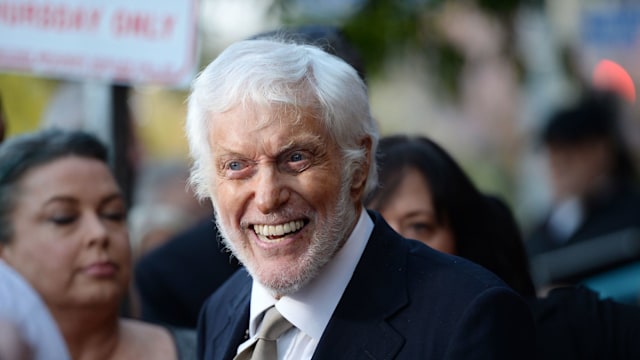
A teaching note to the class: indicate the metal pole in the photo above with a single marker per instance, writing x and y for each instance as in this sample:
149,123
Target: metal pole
122,141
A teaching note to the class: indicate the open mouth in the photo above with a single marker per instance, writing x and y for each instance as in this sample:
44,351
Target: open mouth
276,232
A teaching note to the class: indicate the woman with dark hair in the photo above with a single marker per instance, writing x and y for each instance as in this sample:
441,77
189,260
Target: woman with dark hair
425,195
63,228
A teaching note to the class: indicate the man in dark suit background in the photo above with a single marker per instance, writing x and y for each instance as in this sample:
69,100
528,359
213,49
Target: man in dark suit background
282,141
174,280
592,173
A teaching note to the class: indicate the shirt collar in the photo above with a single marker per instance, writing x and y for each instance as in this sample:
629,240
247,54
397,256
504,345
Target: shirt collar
310,308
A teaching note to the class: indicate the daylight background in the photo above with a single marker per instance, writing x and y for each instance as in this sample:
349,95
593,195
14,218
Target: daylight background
479,77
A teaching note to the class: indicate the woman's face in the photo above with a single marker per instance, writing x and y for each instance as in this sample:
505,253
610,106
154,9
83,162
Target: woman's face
411,213
70,237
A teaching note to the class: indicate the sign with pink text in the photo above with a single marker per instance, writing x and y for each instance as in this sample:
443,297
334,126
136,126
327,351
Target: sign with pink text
119,41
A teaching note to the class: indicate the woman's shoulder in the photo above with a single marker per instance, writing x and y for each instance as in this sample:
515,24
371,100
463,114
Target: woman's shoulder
141,340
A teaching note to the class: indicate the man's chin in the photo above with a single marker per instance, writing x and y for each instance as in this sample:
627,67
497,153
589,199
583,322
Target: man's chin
281,279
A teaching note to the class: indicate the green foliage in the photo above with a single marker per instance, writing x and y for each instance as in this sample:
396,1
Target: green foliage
24,99
383,29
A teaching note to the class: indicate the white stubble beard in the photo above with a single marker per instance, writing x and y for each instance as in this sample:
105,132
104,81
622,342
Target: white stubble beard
325,243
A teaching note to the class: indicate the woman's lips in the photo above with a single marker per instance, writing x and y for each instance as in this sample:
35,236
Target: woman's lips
101,269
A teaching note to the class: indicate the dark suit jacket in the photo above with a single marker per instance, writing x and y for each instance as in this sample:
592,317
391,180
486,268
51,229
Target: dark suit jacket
175,279
574,323
404,301
605,214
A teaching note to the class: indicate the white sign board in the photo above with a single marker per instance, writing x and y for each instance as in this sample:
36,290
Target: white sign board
120,41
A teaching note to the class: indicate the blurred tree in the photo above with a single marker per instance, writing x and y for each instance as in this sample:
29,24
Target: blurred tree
24,99
384,29
2,120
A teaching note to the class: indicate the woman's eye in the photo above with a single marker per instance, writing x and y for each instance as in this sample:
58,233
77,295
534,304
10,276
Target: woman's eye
421,227
62,220
116,216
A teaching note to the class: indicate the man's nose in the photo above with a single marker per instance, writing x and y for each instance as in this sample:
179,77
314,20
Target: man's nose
270,190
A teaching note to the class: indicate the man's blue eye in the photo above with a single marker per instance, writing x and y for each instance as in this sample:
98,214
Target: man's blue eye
235,165
297,157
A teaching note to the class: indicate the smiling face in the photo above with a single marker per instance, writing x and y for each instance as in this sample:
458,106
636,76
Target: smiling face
277,187
411,213
70,237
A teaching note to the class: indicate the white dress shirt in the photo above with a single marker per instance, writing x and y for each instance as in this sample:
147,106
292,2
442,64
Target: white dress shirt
310,308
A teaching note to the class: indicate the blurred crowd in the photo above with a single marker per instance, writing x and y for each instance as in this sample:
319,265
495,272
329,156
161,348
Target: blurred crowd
576,267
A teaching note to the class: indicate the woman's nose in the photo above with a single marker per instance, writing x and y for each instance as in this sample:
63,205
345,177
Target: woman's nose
96,230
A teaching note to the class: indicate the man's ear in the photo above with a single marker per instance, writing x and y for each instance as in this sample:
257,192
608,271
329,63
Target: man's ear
360,175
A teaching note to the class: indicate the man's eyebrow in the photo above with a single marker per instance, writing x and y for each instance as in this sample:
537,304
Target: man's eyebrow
226,152
292,144
301,141
296,142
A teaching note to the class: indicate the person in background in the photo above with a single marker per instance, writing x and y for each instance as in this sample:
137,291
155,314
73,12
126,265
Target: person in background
174,280
163,208
283,144
153,225
163,205
28,331
425,195
593,179
63,228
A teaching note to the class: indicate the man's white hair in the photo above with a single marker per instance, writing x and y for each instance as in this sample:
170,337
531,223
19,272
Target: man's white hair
280,74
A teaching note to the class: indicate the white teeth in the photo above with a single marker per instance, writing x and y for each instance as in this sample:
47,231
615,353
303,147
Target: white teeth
278,230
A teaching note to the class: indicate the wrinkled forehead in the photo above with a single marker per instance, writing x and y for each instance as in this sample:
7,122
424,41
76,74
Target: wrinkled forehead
259,115
267,128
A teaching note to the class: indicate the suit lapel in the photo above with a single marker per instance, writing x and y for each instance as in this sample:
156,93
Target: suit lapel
236,322
358,328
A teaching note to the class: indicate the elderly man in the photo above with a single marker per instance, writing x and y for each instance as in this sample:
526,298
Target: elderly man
283,143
